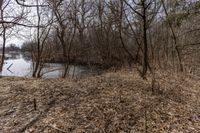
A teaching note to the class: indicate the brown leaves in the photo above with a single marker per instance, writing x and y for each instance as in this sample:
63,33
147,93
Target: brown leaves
112,102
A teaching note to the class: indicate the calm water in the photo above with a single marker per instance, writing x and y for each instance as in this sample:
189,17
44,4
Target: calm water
18,65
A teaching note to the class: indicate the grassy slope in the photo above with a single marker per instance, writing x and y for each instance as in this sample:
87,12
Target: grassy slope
111,102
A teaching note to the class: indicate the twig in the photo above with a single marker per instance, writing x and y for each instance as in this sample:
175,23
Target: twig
146,126
35,104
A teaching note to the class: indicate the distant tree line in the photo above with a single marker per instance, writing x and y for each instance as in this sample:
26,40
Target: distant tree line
12,48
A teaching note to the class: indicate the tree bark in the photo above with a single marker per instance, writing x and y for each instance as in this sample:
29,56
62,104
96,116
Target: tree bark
145,44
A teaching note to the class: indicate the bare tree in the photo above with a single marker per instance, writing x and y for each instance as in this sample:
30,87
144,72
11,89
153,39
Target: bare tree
8,23
145,11
174,36
42,34
65,27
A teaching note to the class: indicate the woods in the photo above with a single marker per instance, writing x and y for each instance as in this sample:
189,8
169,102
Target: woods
106,66
149,34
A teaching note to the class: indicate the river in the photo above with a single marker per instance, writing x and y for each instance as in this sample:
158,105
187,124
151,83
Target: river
16,64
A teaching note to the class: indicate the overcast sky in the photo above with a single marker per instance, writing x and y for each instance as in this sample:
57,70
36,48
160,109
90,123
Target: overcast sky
19,34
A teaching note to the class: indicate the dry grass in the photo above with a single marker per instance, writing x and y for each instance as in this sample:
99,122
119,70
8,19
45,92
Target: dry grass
118,102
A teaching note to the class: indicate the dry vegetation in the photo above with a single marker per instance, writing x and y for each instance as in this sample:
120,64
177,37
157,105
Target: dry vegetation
149,35
112,102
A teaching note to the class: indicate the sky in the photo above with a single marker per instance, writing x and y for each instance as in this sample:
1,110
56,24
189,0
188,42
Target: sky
19,34
19,39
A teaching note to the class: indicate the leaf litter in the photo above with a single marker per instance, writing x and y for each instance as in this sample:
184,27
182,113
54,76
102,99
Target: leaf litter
113,102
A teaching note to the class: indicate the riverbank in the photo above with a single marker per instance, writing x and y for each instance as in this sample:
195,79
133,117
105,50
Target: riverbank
111,102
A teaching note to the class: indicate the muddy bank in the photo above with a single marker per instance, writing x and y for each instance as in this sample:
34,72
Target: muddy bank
111,102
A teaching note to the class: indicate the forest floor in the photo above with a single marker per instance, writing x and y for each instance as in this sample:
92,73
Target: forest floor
113,102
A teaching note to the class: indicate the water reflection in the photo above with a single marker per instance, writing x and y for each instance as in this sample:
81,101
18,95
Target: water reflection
15,65
18,64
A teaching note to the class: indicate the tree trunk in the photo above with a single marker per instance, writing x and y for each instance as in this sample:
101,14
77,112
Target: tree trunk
4,40
145,44
36,67
3,49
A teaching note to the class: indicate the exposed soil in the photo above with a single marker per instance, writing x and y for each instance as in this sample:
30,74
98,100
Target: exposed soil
114,102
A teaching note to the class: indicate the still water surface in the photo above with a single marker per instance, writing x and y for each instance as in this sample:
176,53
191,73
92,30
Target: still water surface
16,64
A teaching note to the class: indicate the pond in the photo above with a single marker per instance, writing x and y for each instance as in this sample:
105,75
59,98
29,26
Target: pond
16,64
